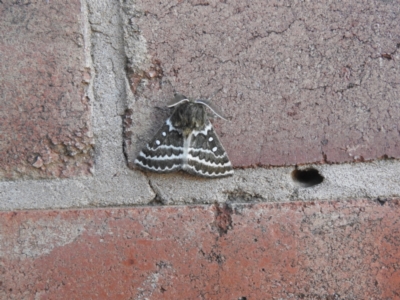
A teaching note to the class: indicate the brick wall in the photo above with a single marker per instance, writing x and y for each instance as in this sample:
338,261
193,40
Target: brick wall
311,94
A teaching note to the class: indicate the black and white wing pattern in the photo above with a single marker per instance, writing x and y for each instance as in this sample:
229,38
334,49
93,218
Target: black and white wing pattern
205,154
187,141
164,153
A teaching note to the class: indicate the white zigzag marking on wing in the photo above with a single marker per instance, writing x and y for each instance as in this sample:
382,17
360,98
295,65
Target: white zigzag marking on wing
161,157
207,151
174,167
165,147
230,172
209,163
207,128
171,127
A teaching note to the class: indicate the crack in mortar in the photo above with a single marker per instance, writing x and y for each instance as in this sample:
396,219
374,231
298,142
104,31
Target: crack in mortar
240,196
157,200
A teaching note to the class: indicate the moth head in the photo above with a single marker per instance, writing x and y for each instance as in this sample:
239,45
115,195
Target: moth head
180,99
188,116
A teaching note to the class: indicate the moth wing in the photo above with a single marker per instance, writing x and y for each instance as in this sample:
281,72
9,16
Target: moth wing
206,156
164,153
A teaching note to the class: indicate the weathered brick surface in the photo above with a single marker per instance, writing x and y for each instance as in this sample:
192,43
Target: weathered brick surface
302,81
327,250
44,112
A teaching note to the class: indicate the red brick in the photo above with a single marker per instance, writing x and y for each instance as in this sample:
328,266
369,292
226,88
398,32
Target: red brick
302,82
350,249
44,111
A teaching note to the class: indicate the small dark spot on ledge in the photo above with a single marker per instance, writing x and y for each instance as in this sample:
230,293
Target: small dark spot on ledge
307,177
381,201
128,112
350,85
387,56
324,142
201,3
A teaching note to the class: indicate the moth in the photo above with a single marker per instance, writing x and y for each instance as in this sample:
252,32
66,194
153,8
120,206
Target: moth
187,141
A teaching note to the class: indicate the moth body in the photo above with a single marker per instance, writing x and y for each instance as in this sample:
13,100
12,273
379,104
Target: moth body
189,117
187,141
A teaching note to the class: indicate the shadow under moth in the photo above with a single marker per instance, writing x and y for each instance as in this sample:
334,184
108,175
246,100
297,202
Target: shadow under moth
187,141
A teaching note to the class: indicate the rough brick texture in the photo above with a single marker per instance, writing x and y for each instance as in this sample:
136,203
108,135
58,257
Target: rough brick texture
302,81
326,250
44,112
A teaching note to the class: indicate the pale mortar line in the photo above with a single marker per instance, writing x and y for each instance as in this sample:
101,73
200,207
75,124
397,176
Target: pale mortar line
345,181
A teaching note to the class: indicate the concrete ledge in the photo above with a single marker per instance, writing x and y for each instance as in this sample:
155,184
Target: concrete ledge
120,186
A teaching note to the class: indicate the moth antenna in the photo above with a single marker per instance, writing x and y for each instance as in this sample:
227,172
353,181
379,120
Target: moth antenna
178,99
211,106
214,109
216,92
